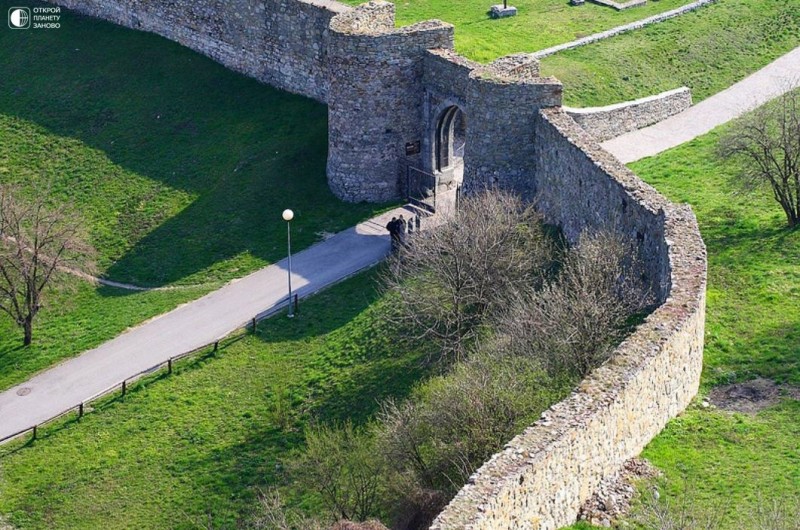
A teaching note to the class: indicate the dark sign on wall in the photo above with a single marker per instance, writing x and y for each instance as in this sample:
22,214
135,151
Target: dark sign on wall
412,148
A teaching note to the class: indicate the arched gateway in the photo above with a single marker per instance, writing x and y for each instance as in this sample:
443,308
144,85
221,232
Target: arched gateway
449,145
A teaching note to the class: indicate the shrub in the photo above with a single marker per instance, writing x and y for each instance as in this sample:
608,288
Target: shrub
343,465
451,278
454,423
574,322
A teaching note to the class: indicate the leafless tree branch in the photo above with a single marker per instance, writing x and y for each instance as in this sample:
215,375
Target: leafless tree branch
36,241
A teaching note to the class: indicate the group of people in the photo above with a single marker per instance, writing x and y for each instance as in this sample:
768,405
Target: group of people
399,229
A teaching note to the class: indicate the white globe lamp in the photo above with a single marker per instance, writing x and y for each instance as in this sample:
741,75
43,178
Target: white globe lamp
288,215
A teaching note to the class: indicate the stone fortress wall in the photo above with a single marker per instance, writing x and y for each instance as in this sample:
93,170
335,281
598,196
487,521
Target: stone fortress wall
374,102
279,42
605,123
387,89
543,476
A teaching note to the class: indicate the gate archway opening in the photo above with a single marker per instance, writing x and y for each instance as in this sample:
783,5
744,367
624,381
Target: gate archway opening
449,145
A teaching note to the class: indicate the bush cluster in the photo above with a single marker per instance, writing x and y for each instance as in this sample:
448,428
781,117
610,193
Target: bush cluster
517,318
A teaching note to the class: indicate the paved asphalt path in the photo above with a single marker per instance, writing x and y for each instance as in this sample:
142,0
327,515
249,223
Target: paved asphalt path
192,325
771,81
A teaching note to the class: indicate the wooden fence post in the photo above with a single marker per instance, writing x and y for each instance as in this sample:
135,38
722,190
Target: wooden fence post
169,365
216,346
254,324
80,410
124,387
34,431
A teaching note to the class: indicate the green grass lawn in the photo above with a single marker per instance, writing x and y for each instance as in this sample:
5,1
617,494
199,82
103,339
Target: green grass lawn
707,50
729,460
180,167
753,318
187,449
539,24
734,462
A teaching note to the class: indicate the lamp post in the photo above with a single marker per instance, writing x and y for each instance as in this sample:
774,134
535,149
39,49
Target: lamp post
288,215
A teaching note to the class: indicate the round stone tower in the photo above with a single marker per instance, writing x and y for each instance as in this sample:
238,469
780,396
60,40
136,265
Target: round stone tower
375,98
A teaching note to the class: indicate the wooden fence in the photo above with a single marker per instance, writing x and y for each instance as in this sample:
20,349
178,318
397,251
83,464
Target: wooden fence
80,408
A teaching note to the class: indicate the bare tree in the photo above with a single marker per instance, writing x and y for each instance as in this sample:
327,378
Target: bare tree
36,242
272,514
573,323
452,276
766,146
341,463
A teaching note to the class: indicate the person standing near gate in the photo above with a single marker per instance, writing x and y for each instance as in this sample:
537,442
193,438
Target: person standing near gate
401,229
393,227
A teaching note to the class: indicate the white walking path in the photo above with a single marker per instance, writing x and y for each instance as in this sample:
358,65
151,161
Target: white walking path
192,325
770,82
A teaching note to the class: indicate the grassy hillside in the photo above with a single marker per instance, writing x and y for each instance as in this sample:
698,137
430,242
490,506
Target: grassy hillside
713,459
707,50
186,450
716,459
538,24
753,319
180,167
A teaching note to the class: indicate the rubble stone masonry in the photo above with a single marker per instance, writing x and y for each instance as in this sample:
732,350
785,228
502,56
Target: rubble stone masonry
375,103
605,123
541,478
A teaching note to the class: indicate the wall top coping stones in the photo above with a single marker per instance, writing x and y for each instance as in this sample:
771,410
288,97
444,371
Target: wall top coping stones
377,18
522,66
605,123
453,57
512,73
373,18
631,103
517,69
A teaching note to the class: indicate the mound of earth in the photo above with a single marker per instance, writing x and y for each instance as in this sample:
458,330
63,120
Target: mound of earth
613,497
751,396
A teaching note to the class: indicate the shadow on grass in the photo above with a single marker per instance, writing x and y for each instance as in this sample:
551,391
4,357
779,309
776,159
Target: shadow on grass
731,232
242,151
378,359
260,460
341,375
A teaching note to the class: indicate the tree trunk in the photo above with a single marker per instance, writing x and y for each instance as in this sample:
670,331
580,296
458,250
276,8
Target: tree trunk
792,218
28,327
